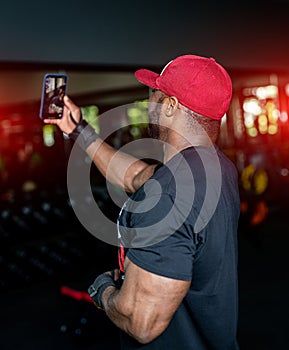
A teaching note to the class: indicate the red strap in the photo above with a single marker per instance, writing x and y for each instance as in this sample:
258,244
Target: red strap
121,258
75,294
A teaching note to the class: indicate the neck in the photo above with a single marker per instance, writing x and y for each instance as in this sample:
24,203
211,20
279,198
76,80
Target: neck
177,143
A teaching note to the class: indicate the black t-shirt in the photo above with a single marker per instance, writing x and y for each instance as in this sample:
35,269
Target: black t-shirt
182,224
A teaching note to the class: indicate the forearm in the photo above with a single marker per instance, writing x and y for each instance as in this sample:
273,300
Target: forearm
107,296
120,169
115,311
144,304
132,320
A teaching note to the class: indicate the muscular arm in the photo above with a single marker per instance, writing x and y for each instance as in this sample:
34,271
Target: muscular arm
120,169
145,304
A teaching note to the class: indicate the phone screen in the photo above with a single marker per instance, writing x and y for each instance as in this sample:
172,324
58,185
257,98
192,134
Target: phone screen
53,92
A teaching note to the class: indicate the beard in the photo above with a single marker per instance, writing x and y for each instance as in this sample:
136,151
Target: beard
154,130
158,132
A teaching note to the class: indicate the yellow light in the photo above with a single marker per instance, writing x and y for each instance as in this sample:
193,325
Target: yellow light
253,179
249,120
272,129
48,135
29,186
90,114
261,181
262,120
246,176
134,113
138,113
263,129
273,116
253,132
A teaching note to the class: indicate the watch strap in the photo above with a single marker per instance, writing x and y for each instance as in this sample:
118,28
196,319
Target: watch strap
83,134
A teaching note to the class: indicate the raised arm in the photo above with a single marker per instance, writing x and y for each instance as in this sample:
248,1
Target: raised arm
120,169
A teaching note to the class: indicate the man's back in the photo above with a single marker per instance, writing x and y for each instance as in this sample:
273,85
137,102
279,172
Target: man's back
202,248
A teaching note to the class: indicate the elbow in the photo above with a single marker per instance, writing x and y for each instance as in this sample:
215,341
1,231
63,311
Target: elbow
129,188
145,335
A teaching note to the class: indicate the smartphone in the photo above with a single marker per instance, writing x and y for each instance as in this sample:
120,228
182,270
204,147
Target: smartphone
53,91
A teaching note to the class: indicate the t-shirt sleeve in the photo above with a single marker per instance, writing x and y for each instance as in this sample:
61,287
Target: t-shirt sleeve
165,259
172,256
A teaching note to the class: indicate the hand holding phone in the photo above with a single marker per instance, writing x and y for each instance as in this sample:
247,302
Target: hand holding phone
53,91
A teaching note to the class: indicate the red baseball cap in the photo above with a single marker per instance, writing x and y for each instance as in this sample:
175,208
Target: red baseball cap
199,83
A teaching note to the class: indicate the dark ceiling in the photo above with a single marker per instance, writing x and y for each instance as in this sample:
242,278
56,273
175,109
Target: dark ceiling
240,34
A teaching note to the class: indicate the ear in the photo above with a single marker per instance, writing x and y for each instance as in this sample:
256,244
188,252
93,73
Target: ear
172,106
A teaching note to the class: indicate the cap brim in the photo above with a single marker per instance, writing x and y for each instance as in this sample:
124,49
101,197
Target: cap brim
147,77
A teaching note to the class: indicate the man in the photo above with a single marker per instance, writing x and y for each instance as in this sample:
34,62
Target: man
177,283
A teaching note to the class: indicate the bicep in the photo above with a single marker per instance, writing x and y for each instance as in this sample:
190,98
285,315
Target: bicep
151,300
142,176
